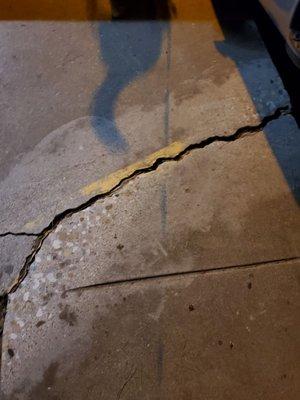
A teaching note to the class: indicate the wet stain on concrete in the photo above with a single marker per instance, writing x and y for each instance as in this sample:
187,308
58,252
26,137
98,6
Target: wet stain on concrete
67,315
43,389
186,91
46,298
40,323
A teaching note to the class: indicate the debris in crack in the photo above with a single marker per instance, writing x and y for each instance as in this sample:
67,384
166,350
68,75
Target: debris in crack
40,237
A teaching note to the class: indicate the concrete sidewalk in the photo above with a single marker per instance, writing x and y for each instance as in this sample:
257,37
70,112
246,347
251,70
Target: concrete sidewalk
149,249
192,82
125,299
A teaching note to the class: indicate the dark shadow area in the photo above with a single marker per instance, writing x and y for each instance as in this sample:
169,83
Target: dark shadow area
130,35
286,146
283,135
275,44
128,49
133,10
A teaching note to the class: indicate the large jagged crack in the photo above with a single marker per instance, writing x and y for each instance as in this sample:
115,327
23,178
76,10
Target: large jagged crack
40,237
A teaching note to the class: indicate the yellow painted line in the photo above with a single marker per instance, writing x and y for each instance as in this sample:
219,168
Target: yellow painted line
107,183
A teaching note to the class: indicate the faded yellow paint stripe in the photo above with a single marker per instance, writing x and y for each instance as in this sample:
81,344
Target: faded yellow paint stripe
107,183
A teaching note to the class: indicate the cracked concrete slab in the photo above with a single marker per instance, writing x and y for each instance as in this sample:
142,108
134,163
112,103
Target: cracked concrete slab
207,211
13,253
209,84
221,205
169,338
196,80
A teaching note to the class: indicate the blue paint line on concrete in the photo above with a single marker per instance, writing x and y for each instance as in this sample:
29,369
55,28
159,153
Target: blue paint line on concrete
167,90
163,207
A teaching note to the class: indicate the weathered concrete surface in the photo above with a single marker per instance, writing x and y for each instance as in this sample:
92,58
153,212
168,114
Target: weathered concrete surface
175,338
226,204
78,115
13,253
208,84
224,334
76,106
58,66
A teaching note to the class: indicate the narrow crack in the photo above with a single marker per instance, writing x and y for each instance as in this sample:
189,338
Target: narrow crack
201,271
126,383
3,306
40,237
4,234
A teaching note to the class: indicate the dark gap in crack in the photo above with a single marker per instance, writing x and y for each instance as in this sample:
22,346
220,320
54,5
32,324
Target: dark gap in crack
3,308
182,273
40,237
4,234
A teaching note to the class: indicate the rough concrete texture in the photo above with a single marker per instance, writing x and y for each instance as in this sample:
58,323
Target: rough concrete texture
13,253
127,296
206,211
224,334
174,338
76,106
207,85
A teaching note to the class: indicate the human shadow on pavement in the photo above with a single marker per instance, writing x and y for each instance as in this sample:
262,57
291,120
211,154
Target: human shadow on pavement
129,34
130,45
283,136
